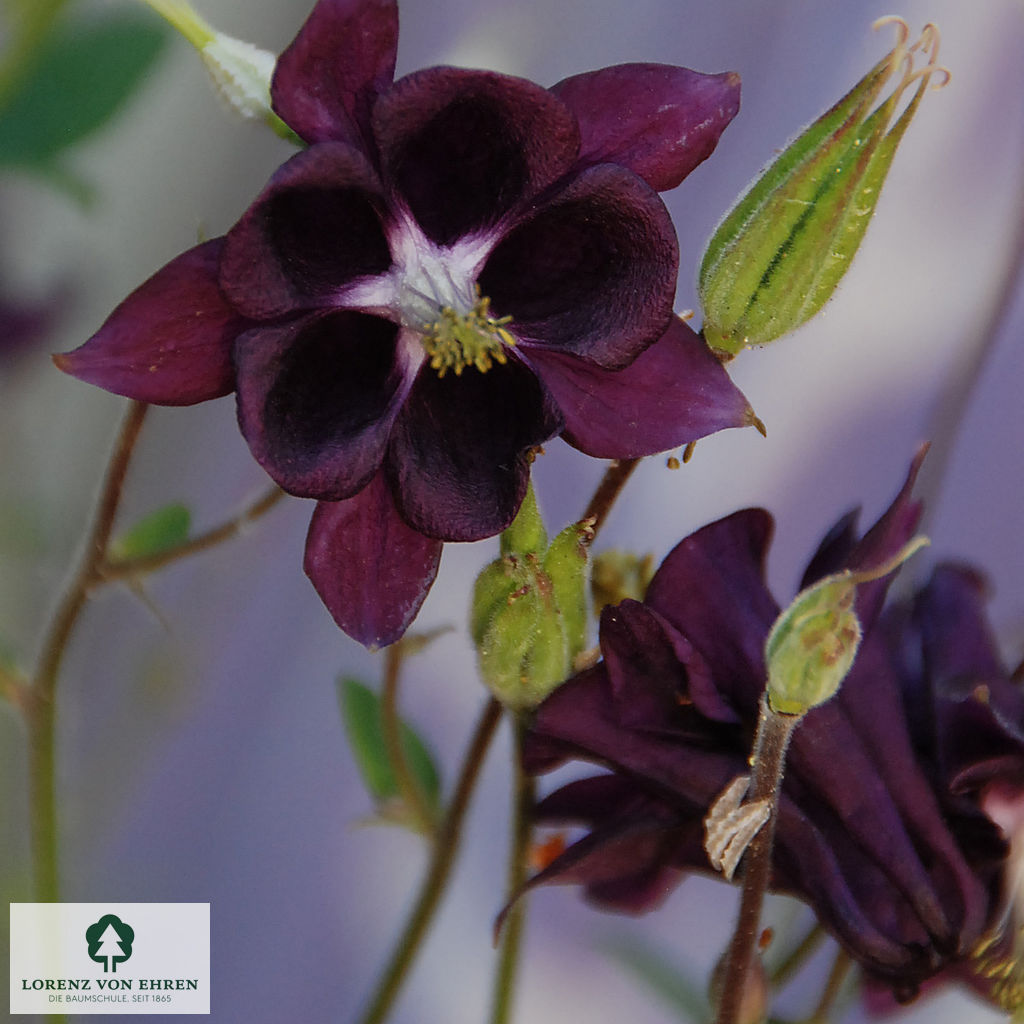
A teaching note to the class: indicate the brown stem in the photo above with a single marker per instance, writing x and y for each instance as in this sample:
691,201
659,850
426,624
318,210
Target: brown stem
833,986
611,485
127,568
773,733
523,799
436,880
40,703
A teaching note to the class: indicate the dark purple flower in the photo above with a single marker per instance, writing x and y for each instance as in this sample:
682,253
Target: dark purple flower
460,266
880,826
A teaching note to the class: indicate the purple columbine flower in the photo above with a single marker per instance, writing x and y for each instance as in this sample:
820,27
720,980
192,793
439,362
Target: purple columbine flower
880,824
460,266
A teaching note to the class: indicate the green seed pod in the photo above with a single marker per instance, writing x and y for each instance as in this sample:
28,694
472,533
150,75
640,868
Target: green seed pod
778,256
813,643
523,655
566,564
812,646
492,591
526,534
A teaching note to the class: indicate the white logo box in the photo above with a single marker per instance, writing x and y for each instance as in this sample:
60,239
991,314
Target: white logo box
137,958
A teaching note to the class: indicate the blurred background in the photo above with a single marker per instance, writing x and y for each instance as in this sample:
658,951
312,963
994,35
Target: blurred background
201,753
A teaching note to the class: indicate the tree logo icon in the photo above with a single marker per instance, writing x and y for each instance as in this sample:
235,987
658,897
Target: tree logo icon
110,942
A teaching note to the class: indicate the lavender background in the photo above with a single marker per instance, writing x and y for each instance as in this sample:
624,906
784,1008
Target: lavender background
203,759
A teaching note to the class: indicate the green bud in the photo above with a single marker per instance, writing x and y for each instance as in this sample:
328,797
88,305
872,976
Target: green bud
812,646
778,256
240,72
526,533
522,652
813,643
529,613
566,566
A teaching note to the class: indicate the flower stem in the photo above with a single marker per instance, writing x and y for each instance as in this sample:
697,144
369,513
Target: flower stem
438,871
611,485
773,733
411,792
41,697
797,956
523,798
833,986
112,570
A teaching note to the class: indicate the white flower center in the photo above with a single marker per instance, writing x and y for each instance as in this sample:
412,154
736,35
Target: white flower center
431,291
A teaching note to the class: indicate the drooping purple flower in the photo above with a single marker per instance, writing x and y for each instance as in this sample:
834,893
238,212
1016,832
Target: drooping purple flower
460,266
880,826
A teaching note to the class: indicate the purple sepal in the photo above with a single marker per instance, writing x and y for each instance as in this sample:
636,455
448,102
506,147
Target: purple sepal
369,567
657,120
170,341
326,82
673,393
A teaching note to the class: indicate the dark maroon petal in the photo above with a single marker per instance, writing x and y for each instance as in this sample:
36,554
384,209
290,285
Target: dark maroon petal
170,341
657,120
959,648
326,81
465,147
625,862
592,273
314,229
834,550
674,392
370,569
711,588
459,456
892,531
652,669
316,400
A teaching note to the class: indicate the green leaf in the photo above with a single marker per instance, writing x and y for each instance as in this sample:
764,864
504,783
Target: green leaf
361,713
160,531
83,72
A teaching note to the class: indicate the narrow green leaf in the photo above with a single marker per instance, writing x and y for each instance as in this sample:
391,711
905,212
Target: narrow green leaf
361,714
160,531
83,72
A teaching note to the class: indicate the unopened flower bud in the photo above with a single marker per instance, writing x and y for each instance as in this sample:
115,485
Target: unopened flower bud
528,619
779,254
240,71
813,643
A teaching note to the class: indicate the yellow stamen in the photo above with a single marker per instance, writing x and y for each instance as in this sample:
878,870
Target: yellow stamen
457,340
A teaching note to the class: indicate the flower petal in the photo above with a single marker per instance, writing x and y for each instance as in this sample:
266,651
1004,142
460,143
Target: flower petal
657,120
316,399
370,569
314,229
326,81
463,148
674,392
711,588
592,273
170,341
459,455
894,528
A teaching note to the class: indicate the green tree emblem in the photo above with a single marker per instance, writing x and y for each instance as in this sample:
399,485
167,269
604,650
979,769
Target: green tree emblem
110,941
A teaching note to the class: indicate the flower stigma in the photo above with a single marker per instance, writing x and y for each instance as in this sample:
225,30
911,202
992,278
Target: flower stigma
476,338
